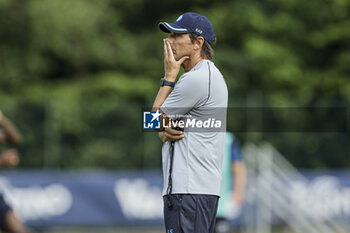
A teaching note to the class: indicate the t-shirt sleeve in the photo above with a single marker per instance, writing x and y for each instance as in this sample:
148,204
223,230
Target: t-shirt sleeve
189,92
236,154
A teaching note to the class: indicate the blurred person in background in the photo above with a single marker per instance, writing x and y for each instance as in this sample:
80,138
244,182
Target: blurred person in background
233,185
9,158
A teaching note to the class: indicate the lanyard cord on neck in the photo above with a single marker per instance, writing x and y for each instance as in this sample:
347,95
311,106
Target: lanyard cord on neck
170,180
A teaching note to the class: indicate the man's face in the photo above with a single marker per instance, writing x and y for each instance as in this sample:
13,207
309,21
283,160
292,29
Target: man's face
181,45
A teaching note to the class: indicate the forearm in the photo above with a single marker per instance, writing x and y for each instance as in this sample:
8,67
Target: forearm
239,171
165,134
12,134
163,93
171,70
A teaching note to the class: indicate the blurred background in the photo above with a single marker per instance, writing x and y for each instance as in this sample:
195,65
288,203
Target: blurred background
75,76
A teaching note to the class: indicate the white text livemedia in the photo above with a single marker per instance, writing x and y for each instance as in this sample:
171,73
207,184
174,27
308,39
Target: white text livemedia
210,123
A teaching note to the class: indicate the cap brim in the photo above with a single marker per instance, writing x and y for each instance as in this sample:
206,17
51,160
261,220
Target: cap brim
171,27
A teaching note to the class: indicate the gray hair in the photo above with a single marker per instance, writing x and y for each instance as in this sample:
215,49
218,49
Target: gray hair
207,50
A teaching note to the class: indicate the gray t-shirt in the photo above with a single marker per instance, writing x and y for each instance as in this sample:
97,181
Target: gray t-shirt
197,164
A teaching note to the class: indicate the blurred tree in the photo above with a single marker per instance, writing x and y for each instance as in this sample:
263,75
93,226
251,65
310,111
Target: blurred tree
96,63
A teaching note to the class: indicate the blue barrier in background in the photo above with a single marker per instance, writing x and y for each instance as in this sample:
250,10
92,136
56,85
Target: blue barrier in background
62,198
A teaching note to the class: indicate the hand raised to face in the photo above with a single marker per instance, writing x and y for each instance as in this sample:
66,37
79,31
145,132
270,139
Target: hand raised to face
171,65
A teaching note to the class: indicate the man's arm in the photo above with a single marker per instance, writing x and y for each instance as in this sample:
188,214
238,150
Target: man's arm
171,69
9,133
240,176
9,158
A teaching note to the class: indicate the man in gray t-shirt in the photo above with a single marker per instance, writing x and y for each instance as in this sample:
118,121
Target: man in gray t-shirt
192,157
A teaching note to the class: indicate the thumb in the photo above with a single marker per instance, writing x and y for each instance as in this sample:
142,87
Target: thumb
181,60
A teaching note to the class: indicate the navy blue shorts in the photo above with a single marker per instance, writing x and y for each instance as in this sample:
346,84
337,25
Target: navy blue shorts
190,213
4,209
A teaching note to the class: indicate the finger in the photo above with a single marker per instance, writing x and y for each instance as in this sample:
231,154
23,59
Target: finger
175,137
178,127
171,137
173,131
165,48
181,60
170,51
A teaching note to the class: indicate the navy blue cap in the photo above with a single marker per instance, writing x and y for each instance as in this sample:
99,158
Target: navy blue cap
191,23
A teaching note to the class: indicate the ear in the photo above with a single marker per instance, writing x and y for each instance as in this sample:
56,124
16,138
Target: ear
198,43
